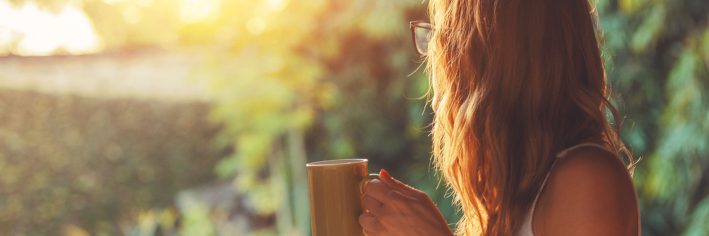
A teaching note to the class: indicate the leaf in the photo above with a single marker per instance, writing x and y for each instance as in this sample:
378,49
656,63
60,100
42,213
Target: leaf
649,30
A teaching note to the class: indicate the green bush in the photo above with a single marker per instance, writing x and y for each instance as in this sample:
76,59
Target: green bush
96,163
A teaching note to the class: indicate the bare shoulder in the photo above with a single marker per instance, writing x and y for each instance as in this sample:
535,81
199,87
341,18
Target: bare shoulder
589,192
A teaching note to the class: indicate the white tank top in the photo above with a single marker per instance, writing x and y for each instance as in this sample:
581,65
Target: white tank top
526,229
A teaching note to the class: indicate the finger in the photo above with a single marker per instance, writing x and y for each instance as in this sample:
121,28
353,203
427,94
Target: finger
370,223
371,205
373,233
378,190
399,199
400,186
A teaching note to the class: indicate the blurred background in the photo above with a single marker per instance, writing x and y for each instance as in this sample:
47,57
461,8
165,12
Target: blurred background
196,117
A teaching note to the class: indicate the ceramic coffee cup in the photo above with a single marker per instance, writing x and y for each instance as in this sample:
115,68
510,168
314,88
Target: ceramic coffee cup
336,188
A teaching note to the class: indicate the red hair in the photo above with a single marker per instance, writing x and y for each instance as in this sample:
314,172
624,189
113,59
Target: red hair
514,82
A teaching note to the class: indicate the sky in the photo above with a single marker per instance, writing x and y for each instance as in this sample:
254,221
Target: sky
37,32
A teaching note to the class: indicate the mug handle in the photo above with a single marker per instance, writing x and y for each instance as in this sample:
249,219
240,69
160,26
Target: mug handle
365,180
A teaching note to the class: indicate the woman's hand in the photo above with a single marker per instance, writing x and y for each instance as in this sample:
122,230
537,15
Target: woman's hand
394,208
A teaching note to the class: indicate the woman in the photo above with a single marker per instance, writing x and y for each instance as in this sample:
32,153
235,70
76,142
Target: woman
519,132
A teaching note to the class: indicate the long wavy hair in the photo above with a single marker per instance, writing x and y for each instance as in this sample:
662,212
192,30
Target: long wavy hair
514,82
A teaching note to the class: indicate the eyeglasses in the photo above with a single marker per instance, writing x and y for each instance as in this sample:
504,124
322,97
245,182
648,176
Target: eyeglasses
421,33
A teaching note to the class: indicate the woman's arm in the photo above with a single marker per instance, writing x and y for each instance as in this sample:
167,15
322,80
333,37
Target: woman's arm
589,193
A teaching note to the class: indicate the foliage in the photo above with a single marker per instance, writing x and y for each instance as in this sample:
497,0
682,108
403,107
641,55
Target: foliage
298,81
69,161
658,55
334,88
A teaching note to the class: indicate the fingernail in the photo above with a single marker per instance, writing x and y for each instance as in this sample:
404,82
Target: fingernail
383,173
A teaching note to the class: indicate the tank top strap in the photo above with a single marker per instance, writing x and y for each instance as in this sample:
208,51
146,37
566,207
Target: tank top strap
563,153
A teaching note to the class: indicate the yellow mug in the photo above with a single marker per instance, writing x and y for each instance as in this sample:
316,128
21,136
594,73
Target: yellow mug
335,188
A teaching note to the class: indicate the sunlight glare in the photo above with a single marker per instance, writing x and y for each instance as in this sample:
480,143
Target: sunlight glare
256,25
276,5
132,14
39,32
113,2
192,11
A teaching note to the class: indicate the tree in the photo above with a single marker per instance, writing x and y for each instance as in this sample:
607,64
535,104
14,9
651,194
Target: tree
657,54
297,81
